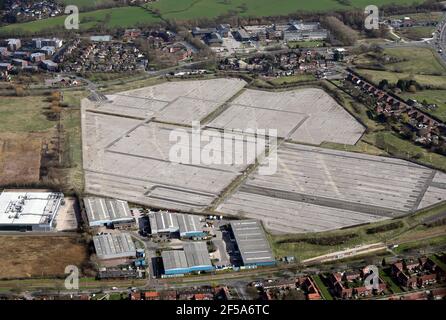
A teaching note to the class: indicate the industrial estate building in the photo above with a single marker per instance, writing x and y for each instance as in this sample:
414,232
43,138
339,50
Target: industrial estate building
114,246
193,258
166,223
252,243
29,211
107,212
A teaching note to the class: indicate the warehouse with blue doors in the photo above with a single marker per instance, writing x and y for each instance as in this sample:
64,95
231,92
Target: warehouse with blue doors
252,243
168,223
193,258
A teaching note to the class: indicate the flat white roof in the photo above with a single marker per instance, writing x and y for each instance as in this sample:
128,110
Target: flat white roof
28,208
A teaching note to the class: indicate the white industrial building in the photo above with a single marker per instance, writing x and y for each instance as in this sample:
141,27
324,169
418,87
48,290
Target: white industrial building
29,211
107,212
300,31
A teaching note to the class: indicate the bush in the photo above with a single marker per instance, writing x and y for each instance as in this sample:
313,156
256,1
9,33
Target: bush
386,227
323,241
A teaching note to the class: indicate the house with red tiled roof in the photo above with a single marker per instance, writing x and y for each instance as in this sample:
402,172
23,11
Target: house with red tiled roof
314,296
427,279
135,296
203,296
152,295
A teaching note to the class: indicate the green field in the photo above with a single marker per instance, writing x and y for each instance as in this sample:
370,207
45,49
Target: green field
293,79
193,9
415,60
416,33
24,114
406,60
437,97
27,115
420,64
110,18
188,10
437,82
435,241
420,16
405,149
85,4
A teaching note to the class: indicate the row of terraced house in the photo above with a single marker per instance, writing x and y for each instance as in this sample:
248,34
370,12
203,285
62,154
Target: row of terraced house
427,128
419,273
351,284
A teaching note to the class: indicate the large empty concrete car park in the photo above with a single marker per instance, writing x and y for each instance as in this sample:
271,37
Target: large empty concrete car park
305,115
317,189
127,144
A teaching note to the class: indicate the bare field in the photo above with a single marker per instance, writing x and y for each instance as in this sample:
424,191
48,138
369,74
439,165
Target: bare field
20,156
39,256
27,122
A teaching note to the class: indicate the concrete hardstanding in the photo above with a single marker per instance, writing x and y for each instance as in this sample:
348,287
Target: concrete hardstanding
318,189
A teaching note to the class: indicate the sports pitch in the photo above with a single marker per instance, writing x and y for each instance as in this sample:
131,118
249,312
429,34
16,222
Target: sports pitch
127,143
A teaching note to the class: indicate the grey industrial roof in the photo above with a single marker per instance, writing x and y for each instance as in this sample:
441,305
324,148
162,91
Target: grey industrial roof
189,223
197,254
194,254
174,259
243,33
106,210
164,221
251,241
49,62
113,246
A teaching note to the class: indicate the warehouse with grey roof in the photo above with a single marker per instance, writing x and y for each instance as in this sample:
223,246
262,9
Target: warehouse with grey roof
114,246
252,243
187,225
107,212
193,258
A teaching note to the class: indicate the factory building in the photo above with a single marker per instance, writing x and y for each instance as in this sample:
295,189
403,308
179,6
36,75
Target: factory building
168,223
252,243
114,246
193,258
54,42
299,31
108,212
29,211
